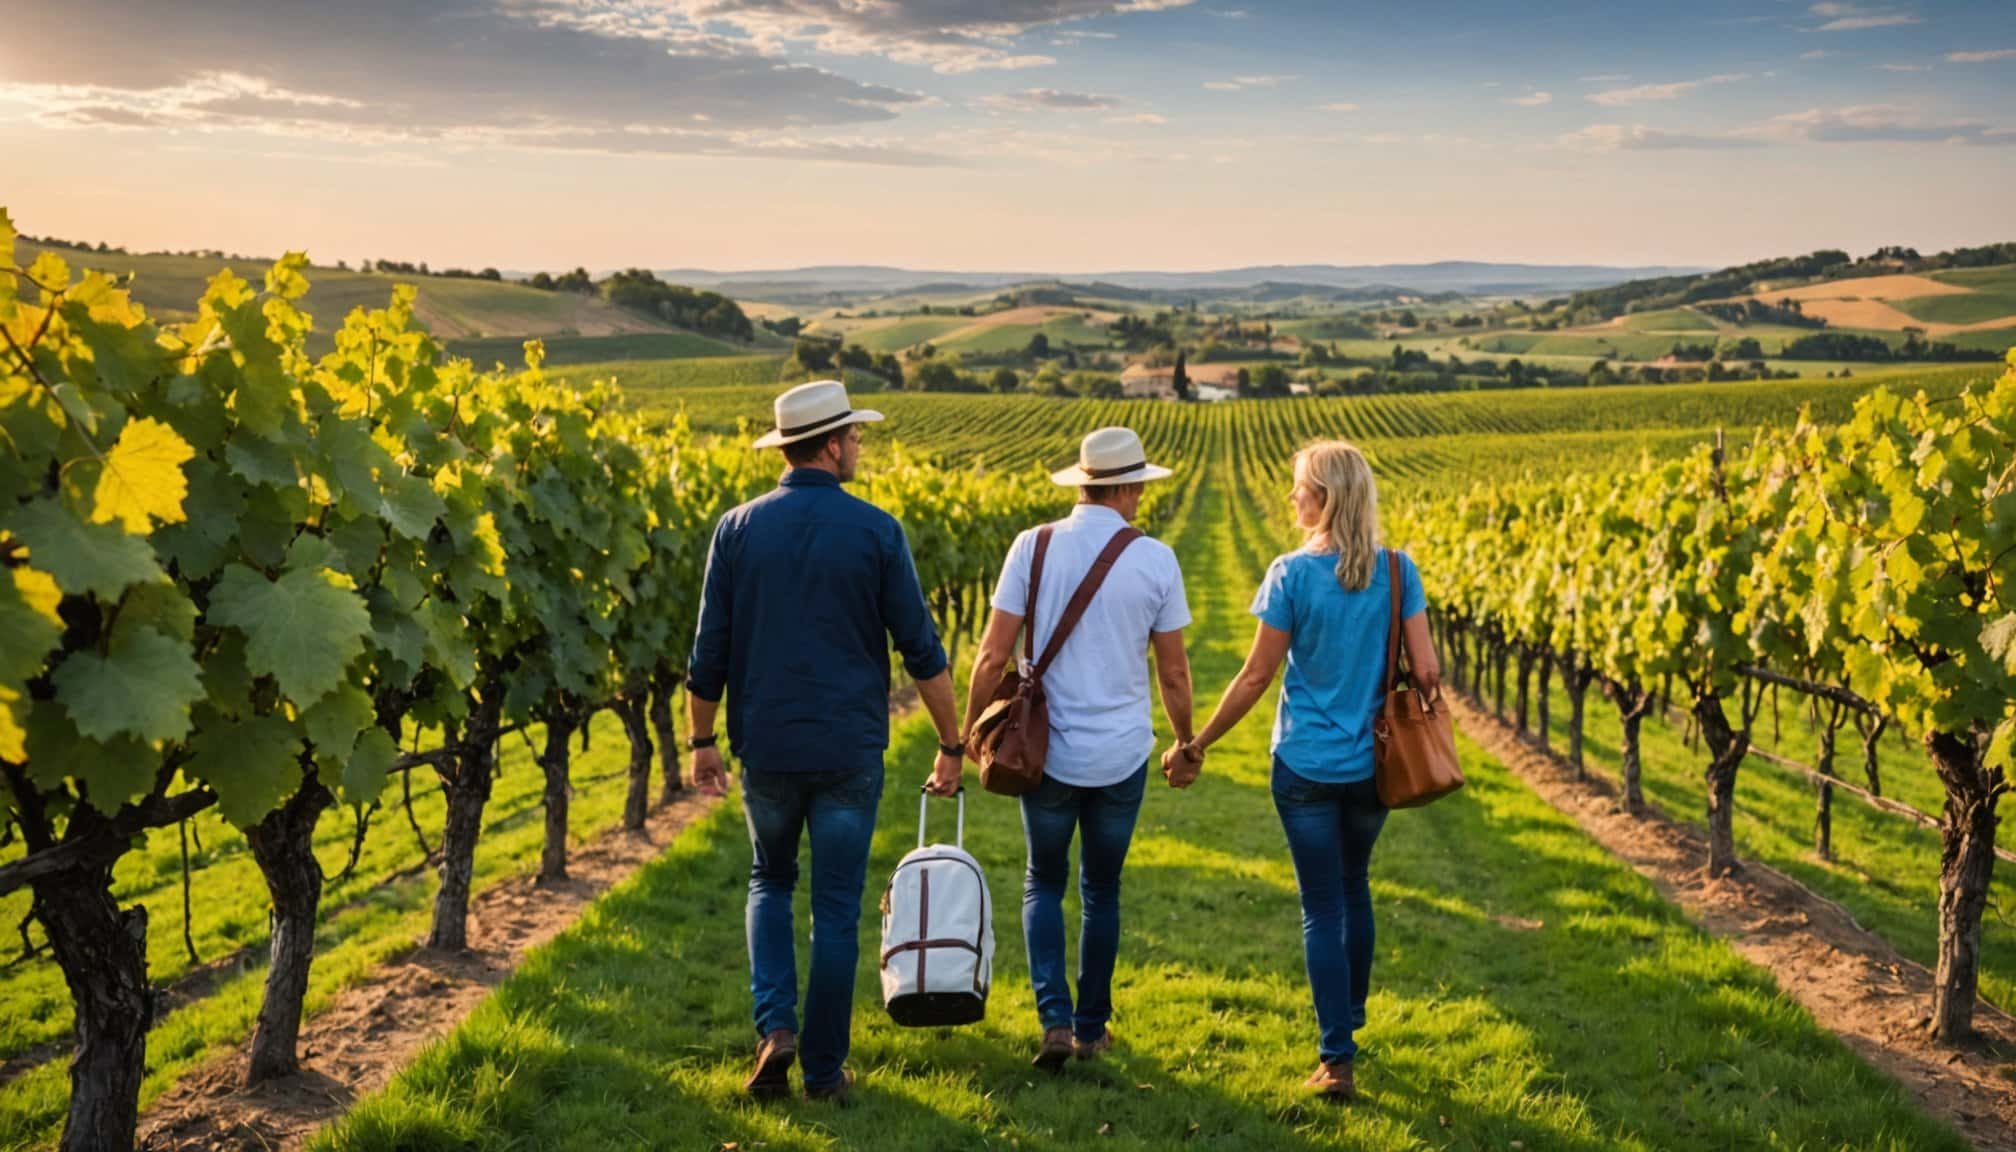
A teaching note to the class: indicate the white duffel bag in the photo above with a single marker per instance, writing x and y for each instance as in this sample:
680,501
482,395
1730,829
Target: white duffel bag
937,933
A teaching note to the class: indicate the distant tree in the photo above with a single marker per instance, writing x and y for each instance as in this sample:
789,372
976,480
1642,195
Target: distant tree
1244,382
1315,354
1181,380
1038,348
1049,381
1271,380
934,376
1003,380
889,368
814,355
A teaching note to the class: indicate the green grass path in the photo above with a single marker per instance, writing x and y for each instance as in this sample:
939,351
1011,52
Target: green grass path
1529,988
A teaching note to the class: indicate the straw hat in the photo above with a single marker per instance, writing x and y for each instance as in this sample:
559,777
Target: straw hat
1110,456
812,410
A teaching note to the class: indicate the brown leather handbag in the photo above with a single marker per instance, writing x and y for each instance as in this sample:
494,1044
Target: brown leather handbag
1413,737
1012,737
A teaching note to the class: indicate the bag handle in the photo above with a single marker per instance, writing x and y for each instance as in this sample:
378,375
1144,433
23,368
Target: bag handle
1392,621
1081,599
1035,582
924,809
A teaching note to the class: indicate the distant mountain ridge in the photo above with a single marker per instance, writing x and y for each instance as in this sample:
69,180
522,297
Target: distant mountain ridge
1469,276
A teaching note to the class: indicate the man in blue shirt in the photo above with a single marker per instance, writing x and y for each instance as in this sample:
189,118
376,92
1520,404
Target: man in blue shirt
806,588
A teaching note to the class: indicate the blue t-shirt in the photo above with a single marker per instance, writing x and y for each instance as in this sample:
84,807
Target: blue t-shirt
1336,658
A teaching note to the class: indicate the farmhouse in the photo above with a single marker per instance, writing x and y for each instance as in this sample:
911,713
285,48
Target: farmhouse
1210,381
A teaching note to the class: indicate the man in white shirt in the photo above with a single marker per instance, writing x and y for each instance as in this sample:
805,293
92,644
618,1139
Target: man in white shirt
1101,732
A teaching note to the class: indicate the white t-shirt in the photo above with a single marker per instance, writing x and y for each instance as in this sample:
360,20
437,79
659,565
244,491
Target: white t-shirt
1101,731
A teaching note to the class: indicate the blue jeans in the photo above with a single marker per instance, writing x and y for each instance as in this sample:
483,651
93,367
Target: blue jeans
1050,815
839,808
1331,829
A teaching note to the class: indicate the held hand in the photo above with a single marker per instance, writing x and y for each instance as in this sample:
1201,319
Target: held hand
945,775
1180,766
708,774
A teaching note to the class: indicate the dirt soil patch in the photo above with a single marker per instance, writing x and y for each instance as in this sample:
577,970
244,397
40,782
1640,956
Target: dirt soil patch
1853,982
375,1028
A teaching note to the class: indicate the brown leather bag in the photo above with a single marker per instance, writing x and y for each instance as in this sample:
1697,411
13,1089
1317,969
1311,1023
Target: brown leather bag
1012,738
1413,737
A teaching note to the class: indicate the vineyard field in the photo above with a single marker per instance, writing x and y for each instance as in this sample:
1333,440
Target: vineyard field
253,590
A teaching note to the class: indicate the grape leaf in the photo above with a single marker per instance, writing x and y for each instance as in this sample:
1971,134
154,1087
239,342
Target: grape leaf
303,629
143,687
29,625
249,763
335,720
370,764
13,732
141,481
99,559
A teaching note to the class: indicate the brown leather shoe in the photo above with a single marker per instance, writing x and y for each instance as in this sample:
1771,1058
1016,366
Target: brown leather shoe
1333,1081
1085,1051
838,1094
772,1078
1055,1050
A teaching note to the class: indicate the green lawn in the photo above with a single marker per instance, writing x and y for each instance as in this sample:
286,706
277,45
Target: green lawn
905,332
1970,309
1669,320
649,382
375,915
1531,992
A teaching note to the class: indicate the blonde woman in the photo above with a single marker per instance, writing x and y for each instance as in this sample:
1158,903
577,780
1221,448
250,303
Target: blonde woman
1326,609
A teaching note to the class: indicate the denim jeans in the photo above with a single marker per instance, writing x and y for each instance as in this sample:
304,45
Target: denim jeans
1331,829
839,809
1050,815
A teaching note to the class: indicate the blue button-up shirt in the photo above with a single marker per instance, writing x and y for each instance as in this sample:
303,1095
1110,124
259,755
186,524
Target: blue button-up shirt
806,588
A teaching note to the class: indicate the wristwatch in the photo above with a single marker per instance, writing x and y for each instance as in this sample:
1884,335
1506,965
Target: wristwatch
696,743
956,751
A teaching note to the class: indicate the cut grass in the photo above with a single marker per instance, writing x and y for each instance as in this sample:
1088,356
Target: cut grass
1529,989
375,915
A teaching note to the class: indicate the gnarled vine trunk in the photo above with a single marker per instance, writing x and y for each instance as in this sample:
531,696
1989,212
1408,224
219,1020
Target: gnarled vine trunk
1966,866
466,781
556,764
668,739
102,951
1633,703
629,708
1523,706
1726,748
1544,704
283,844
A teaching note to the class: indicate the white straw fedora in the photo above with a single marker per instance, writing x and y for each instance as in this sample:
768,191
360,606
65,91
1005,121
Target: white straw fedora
810,409
1110,456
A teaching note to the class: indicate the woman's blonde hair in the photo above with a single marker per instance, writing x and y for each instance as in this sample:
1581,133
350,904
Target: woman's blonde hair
1338,472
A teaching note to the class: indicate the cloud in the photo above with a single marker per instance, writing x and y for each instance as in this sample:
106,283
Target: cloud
1982,57
1531,100
1050,100
451,73
1138,118
1639,138
1337,106
1841,17
1882,124
1816,54
1615,97
964,36
1905,67
1607,78
1242,83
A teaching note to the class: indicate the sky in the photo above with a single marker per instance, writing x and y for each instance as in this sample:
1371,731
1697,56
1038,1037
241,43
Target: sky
1065,136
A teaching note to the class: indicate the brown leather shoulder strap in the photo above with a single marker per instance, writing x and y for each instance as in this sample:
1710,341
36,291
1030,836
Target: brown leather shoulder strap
1082,598
1035,582
1393,619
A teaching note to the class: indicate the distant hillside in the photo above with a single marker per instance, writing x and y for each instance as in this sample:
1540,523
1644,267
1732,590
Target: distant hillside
831,283
484,318
1773,277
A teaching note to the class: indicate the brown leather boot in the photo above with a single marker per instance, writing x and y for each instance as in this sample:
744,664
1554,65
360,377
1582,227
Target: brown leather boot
837,1094
772,1078
1055,1050
1087,1051
1333,1081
